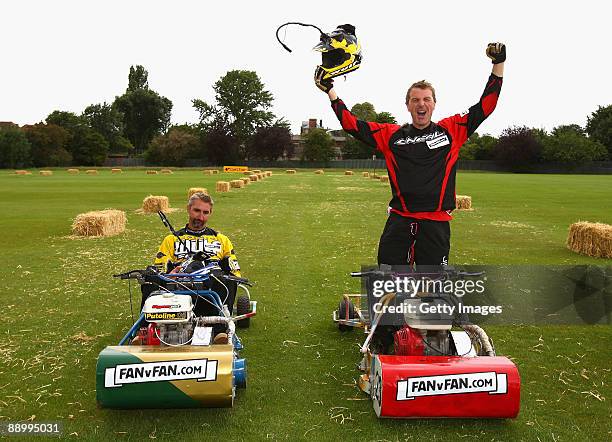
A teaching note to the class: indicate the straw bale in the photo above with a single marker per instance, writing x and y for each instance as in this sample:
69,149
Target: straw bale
155,203
215,172
384,179
73,171
91,172
21,172
319,172
463,202
261,176
374,176
151,172
256,171
246,181
99,223
591,239
237,184
254,178
223,186
291,171
366,174
348,172
268,173
167,171
193,190
116,171
46,172
207,172
247,172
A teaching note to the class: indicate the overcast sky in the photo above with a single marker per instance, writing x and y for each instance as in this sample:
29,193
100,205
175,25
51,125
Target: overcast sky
66,55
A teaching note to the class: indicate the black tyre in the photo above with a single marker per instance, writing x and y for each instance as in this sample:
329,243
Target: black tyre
344,306
243,306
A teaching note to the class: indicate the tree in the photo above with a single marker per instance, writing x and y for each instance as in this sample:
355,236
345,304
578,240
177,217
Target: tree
478,147
599,127
241,101
222,148
48,143
89,147
14,148
108,122
569,145
517,149
270,143
385,117
86,146
173,148
145,112
318,146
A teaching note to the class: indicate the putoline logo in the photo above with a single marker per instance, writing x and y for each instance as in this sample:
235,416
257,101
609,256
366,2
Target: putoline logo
485,382
200,369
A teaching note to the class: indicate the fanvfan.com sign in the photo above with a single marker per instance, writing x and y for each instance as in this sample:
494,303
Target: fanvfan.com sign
485,382
200,369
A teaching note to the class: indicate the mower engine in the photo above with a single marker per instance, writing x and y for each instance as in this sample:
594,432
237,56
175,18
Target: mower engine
170,318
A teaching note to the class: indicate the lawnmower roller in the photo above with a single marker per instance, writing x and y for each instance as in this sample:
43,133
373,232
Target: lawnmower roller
168,377
445,386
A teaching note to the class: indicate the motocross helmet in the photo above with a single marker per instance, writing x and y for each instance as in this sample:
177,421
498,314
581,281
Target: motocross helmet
341,51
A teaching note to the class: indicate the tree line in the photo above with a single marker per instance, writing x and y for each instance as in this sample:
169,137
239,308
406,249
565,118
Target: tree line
236,127
239,126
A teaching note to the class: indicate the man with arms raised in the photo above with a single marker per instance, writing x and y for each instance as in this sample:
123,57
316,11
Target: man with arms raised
421,161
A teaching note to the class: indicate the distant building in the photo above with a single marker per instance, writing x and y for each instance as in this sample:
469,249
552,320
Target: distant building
298,140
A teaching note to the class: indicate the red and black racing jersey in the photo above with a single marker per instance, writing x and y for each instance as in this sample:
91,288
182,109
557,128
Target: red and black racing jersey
422,162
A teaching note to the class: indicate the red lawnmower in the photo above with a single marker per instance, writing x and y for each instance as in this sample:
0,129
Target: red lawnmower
422,357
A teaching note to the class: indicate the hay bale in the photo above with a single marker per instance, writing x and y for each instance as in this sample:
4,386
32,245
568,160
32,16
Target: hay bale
223,186
215,172
348,172
591,239
166,171
45,172
319,172
116,171
193,190
99,223
91,172
74,171
237,184
268,173
291,171
253,178
247,172
384,179
374,176
207,172
366,174
256,171
151,172
246,181
155,203
463,202
261,176
21,172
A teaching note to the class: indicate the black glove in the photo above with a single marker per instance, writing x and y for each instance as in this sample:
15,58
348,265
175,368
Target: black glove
496,52
324,85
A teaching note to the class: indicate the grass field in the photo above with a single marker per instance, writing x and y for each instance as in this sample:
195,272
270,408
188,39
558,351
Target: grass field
298,237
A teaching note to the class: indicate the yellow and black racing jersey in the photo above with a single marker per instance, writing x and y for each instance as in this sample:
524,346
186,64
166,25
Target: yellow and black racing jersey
214,246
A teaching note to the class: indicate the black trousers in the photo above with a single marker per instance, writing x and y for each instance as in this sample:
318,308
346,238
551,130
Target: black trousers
408,241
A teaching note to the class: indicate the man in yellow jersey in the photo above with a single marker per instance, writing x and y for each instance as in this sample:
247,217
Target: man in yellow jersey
196,236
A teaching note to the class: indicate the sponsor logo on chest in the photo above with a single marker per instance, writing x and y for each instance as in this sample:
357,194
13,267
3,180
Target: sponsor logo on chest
433,140
211,247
